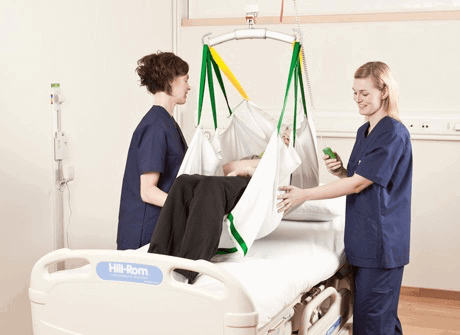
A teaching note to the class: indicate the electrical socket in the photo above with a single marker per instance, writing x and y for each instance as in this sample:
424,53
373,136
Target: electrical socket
425,125
433,127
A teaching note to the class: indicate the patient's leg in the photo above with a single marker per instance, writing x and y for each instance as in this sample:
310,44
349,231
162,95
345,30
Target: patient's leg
170,227
214,197
190,223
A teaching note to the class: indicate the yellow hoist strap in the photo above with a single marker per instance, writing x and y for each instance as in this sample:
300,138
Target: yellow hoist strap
300,55
228,73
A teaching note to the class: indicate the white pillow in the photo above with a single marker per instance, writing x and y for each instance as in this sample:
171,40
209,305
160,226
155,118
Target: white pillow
317,210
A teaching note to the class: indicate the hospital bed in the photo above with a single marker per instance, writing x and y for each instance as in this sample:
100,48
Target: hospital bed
291,281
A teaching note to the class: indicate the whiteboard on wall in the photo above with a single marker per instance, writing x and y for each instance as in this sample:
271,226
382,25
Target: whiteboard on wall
199,9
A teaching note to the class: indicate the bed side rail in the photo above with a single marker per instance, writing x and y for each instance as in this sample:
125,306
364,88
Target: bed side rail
144,274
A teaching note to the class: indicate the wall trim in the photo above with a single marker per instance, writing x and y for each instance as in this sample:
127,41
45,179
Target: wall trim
332,18
430,293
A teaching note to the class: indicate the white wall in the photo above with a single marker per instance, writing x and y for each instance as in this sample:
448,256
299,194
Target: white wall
423,57
91,48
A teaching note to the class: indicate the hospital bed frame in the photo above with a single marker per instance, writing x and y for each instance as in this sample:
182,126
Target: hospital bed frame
80,302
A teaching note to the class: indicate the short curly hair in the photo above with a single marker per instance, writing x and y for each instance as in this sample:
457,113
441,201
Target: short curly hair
157,71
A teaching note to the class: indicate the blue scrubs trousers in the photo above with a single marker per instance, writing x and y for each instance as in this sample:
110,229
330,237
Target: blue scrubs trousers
375,308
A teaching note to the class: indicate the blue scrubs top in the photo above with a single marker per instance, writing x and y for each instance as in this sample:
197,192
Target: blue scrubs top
157,145
377,228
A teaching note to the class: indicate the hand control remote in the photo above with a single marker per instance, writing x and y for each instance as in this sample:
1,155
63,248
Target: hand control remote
328,151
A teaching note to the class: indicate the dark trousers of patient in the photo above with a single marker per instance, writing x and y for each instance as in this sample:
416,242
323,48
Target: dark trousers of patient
190,223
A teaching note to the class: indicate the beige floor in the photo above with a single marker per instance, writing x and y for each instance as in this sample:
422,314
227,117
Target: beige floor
429,316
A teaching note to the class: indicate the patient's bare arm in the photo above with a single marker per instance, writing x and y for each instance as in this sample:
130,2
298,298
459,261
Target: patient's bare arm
244,168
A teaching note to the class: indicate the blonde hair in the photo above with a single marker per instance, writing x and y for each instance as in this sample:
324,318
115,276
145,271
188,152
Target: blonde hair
382,79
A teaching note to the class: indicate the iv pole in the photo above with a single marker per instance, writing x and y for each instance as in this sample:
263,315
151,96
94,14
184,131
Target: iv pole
60,153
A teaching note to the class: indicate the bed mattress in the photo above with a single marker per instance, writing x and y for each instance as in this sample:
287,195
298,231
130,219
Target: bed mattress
281,266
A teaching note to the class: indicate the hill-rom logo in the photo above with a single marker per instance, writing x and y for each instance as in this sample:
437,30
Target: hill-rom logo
129,272
128,269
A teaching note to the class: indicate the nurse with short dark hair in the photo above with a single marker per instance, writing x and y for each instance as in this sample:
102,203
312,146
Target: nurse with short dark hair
156,151
378,183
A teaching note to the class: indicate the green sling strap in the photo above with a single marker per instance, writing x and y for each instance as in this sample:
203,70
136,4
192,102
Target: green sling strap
296,72
207,64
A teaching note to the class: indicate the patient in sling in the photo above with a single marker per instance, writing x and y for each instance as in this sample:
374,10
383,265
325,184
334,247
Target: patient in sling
190,223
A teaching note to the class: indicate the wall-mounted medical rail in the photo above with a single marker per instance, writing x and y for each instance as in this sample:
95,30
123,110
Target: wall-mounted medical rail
240,34
331,18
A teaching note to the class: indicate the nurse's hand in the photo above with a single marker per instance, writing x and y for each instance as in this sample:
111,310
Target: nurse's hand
335,165
294,196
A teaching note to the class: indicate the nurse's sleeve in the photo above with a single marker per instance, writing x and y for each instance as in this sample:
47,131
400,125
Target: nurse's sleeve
152,150
379,164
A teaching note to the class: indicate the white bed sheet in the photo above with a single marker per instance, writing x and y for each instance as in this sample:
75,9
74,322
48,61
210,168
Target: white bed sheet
281,266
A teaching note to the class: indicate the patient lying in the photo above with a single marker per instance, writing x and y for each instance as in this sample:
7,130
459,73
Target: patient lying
190,223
